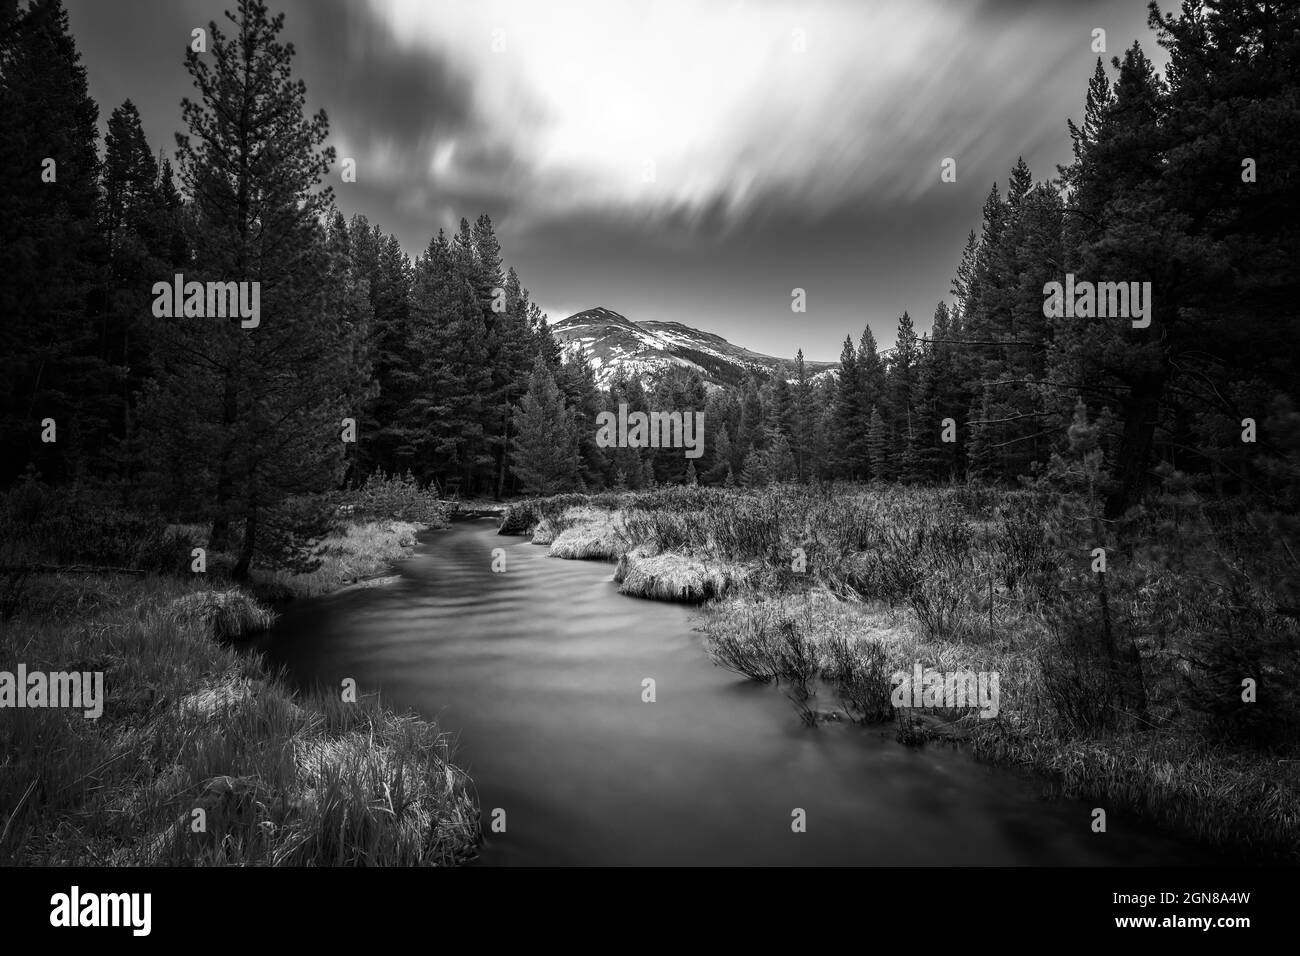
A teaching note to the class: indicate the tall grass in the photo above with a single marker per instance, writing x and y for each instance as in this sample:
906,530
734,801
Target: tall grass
1124,686
202,757
189,724
356,552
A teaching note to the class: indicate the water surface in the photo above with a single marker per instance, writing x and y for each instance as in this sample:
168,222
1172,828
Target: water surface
538,672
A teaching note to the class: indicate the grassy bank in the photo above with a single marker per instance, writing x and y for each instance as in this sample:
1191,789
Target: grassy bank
1125,687
201,757
356,554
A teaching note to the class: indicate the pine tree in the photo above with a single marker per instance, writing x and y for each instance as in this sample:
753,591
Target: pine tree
847,417
878,447
140,222
751,429
1134,234
755,474
450,338
962,282
779,460
256,412
805,437
982,457
676,390
547,346
720,453
380,262
901,388
938,398
544,449
577,382
51,361
1018,183
511,343
636,465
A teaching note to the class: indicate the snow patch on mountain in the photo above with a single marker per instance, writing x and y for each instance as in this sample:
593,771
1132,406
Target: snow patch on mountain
614,344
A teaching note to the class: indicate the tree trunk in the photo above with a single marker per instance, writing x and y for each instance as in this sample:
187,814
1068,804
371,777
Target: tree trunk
219,539
1141,415
240,571
503,455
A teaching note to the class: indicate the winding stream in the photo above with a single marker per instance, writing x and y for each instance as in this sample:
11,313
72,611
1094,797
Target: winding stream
538,672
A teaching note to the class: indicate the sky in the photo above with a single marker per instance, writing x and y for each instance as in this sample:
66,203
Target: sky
673,160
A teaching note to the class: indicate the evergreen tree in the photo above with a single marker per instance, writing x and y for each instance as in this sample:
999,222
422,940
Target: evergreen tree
577,382
1134,235
256,412
805,437
755,474
634,463
547,346
847,417
51,360
544,449
395,434
143,241
751,428
450,337
983,460
962,283
677,390
939,398
720,453
511,343
902,387
878,447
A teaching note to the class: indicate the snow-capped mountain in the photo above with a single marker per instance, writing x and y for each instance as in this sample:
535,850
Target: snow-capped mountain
612,343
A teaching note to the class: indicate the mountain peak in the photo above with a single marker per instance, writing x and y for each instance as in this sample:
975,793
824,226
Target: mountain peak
613,344
595,316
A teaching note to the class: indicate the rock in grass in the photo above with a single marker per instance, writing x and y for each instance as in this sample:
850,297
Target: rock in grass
228,615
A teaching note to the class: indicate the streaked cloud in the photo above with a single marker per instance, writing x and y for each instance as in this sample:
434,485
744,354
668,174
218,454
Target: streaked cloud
659,108
772,168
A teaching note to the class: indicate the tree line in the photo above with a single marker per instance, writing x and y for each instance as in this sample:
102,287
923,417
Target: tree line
1189,181
442,365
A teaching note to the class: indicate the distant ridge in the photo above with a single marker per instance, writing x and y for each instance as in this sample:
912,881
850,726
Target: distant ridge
613,343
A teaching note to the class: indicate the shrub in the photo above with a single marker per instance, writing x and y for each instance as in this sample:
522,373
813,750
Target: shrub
397,498
859,671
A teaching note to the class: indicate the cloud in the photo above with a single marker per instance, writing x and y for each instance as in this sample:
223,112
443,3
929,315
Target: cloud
705,114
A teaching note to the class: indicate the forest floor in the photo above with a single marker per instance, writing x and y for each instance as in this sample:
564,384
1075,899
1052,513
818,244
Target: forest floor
201,756
1124,688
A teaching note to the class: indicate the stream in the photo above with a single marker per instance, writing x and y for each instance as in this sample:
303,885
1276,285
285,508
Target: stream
537,672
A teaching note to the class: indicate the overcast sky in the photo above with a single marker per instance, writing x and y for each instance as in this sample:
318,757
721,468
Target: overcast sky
680,161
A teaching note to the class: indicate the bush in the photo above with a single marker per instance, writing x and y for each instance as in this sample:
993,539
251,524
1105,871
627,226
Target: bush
42,525
859,671
397,498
